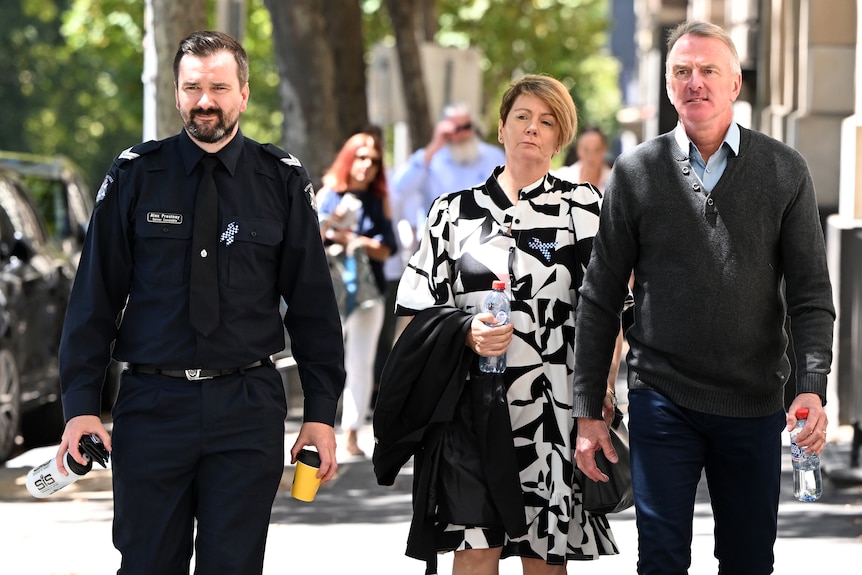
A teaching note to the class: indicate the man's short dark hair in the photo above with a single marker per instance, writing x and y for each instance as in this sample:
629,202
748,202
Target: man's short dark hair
207,43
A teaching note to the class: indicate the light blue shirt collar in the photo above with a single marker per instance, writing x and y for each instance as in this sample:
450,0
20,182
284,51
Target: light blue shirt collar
708,172
731,138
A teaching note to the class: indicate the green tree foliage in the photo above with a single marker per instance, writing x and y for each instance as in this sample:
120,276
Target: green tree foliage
563,38
263,119
75,81
71,72
566,39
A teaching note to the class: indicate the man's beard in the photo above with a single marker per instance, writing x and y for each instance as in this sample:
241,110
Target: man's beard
465,152
211,133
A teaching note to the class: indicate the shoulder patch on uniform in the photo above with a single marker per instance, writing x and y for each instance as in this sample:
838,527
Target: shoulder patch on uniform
139,150
103,189
310,196
284,157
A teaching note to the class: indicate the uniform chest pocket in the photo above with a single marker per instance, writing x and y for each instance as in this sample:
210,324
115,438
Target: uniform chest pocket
252,247
162,247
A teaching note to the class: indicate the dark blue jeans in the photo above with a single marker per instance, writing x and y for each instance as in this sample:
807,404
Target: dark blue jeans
670,448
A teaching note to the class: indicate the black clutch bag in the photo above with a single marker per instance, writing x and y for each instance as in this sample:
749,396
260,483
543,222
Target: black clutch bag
615,495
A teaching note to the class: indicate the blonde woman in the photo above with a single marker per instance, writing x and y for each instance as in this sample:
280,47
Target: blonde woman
495,468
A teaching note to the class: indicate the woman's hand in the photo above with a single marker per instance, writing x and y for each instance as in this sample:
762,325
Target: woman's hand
488,340
339,236
609,406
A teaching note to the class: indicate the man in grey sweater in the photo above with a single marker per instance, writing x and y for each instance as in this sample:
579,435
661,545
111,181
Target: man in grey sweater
720,226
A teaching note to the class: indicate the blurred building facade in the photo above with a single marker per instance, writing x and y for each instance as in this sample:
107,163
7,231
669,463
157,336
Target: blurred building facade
800,64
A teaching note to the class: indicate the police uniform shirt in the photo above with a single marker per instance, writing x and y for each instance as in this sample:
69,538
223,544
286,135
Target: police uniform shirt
136,263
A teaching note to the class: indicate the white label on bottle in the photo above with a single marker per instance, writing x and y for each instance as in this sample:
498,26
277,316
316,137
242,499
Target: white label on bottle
796,453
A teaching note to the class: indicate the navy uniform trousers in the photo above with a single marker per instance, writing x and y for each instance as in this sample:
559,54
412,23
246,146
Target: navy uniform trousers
671,447
210,451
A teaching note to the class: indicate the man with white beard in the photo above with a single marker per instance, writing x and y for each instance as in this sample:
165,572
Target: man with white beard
455,159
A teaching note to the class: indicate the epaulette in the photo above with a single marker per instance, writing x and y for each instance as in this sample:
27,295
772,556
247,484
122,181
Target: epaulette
283,156
126,155
291,160
139,150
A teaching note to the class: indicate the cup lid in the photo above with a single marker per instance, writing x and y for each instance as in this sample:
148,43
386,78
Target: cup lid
309,457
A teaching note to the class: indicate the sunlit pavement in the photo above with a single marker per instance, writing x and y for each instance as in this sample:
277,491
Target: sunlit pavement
355,525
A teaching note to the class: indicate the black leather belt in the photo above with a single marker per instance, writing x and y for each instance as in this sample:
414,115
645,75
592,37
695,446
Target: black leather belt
192,374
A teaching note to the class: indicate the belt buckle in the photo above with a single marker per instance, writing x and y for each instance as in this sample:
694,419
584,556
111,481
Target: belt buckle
195,375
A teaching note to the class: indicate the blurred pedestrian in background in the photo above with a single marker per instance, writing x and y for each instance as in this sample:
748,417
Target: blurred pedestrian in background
455,158
355,218
720,226
198,426
587,160
494,467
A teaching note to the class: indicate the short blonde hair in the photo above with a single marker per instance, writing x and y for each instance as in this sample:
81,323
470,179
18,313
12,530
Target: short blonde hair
553,93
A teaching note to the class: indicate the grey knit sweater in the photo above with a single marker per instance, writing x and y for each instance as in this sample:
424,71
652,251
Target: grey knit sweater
709,276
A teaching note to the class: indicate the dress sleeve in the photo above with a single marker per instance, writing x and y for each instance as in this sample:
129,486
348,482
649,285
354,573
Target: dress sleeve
427,280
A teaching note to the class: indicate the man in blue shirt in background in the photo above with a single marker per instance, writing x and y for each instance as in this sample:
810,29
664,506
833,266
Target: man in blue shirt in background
455,159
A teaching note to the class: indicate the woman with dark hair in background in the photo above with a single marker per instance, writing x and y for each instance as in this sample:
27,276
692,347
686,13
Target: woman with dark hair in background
587,159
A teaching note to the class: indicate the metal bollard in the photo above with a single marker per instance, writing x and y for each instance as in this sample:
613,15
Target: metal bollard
857,444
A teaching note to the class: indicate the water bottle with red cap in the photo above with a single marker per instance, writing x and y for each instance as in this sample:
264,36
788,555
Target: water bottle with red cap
807,478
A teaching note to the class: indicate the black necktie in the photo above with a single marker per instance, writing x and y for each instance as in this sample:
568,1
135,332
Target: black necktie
203,287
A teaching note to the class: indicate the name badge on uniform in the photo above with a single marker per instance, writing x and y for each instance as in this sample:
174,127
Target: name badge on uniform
163,218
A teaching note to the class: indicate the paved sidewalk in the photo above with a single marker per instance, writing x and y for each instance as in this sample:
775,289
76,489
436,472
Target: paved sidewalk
373,522
355,525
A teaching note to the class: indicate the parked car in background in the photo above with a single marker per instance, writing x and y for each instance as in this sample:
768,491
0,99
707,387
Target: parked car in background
60,193
65,200
61,200
35,280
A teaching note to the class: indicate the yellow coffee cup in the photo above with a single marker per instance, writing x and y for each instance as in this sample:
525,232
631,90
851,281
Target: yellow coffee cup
305,480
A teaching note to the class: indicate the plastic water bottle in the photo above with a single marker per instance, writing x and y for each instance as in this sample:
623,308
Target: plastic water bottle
46,479
497,303
807,479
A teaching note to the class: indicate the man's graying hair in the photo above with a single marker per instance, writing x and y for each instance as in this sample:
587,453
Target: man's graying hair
208,43
704,30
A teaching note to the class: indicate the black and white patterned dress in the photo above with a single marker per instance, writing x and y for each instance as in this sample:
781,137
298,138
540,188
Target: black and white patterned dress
540,247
